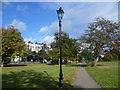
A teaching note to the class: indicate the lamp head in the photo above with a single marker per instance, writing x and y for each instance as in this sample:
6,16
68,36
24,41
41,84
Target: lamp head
60,13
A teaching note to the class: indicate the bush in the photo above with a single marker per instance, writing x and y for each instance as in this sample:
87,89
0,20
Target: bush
7,60
117,52
108,57
87,55
90,63
55,62
114,57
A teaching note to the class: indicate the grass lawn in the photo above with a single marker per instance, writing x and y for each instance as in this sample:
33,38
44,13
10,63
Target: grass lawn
115,63
105,77
37,76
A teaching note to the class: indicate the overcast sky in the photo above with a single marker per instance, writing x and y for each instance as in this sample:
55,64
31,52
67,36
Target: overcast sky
37,21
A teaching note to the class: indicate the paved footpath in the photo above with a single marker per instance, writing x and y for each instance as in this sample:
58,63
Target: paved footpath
83,80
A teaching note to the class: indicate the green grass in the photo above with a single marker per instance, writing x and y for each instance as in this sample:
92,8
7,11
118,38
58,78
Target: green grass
37,76
115,63
105,77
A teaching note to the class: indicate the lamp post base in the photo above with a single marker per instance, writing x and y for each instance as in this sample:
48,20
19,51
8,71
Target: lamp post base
60,82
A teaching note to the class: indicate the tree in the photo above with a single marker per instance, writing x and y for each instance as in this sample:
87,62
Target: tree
34,56
117,52
115,57
69,47
28,54
42,54
12,43
101,35
87,55
110,57
54,55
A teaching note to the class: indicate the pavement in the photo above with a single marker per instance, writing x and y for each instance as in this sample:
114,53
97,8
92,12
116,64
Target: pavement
83,80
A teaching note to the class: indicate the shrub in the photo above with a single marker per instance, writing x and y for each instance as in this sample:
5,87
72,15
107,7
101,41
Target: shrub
108,57
117,52
90,63
87,55
114,57
7,60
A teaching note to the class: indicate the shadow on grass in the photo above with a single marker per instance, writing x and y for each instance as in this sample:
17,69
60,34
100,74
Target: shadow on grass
99,65
82,65
14,65
31,79
52,64
77,65
74,65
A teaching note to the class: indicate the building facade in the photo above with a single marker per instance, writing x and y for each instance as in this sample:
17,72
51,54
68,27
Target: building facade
34,46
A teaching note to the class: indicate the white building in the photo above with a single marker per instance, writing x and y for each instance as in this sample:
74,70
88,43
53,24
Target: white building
37,46
34,46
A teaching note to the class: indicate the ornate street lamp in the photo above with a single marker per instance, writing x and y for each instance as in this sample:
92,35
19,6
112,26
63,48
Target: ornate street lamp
60,13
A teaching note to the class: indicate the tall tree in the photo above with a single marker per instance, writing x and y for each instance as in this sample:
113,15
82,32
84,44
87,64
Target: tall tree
69,47
101,34
12,43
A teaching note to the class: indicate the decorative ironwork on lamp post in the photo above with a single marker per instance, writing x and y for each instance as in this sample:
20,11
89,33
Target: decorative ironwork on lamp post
60,13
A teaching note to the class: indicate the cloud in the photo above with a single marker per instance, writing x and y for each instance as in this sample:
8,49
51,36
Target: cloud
22,7
20,25
48,39
83,13
53,27
29,39
78,15
43,29
67,25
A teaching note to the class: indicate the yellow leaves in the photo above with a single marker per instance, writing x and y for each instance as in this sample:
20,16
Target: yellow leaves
11,42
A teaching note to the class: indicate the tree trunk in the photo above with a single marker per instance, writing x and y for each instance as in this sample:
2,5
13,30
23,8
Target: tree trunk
76,61
95,62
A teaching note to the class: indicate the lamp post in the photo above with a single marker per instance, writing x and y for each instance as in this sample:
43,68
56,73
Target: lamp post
60,13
